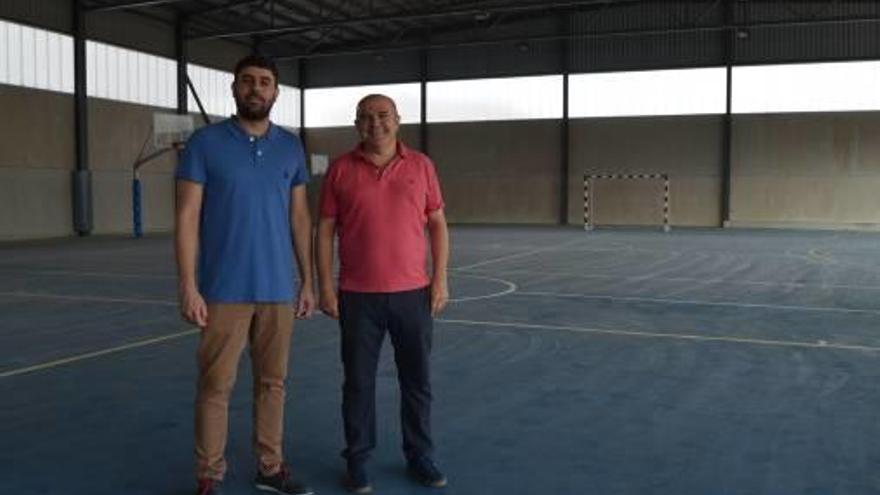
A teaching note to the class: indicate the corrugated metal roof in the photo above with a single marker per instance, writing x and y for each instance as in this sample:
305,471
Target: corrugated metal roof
361,41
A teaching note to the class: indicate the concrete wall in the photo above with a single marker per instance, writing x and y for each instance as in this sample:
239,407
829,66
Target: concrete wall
334,141
490,172
509,172
806,170
36,160
117,131
687,149
38,157
794,170
498,172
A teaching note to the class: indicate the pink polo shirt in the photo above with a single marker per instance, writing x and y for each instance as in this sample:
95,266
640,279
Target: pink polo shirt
381,217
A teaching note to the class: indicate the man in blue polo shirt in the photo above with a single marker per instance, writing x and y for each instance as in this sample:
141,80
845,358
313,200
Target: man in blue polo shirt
242,215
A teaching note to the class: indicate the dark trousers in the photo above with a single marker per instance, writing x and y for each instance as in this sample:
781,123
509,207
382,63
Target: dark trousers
364,319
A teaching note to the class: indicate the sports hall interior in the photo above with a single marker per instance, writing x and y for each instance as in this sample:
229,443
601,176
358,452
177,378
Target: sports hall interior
664,221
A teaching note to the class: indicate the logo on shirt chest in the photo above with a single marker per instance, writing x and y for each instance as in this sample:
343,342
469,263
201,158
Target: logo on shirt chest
406,189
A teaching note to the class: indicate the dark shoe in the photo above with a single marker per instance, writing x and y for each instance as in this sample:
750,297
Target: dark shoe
281,482
425,472
208,486
356,479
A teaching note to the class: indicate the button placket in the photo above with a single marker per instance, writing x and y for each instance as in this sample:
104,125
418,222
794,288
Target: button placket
255,150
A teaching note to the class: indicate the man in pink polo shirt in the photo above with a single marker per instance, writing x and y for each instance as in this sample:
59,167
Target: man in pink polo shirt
380,198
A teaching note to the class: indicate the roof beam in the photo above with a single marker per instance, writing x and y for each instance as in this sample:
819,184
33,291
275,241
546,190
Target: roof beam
137,4
219,8
469,12
298,10
587,36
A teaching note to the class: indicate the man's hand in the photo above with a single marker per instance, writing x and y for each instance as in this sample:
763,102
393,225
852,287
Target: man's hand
439,295
193,307
330,304
305,303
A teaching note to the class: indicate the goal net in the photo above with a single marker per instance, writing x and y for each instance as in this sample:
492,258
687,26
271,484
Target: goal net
626,199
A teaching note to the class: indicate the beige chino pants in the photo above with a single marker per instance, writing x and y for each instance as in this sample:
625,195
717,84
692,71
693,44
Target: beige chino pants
267,328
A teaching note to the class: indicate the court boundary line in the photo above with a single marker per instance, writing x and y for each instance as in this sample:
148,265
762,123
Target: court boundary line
516,255
68,297
89,355
511,288
821,344
692,302
718,281
88,274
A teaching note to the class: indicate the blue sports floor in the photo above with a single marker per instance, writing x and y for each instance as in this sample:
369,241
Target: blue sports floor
695,362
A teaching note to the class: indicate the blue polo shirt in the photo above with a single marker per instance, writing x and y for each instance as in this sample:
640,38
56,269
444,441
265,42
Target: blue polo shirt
245,238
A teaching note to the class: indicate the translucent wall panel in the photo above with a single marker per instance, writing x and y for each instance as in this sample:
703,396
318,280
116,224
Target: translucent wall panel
837,86
28,57
514,98
214,90
35,58
15,53
287,109
4,52
66,49
127,75
660,92
336,107
41,62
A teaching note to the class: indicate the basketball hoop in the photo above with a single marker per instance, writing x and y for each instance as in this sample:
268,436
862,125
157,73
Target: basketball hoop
171,129
169,132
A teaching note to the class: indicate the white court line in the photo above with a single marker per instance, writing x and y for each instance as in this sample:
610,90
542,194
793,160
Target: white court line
718,281
675,336
511,288
700,303
64,297
516,255
90,355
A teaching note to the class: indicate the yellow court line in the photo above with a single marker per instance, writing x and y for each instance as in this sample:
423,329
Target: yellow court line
93,274
90,355
821,344
65,297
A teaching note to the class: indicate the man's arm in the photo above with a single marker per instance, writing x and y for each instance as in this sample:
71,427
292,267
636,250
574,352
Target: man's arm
186,241
439,234
301,223
328,300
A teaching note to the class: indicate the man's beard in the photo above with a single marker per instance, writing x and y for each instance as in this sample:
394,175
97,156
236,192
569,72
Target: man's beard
248,112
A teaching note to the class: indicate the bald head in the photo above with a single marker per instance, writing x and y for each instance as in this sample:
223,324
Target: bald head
377,122
366,101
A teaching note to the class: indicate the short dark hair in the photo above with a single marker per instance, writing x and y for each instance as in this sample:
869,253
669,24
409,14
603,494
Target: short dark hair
260,61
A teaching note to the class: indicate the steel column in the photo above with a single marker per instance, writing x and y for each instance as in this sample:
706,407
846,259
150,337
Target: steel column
565,131
728,37
82,179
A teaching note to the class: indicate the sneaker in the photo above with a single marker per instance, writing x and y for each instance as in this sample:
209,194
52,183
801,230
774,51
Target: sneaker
425,472
208,486
281,482
356,479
